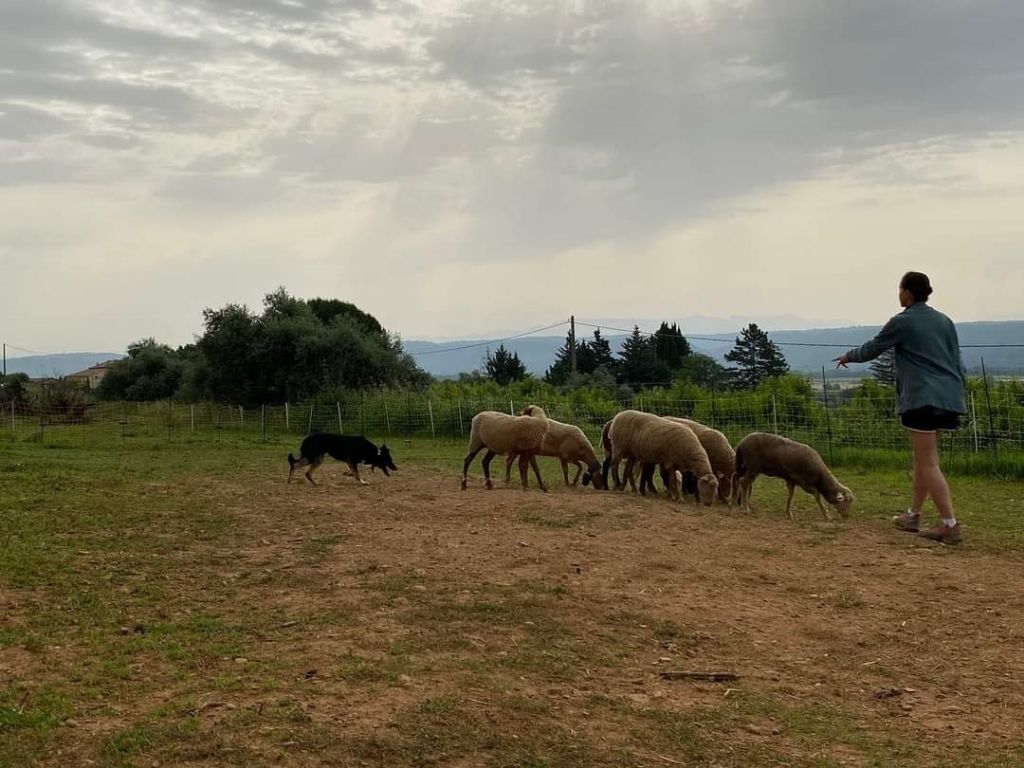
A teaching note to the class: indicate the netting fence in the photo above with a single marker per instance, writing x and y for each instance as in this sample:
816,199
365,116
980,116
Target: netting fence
991,435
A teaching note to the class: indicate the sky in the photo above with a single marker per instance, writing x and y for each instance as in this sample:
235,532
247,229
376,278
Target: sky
460,169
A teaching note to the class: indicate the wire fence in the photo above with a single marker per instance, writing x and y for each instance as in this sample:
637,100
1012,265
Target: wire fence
991,437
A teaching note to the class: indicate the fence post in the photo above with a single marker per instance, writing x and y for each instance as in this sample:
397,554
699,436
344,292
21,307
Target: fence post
340,427
714,412
362,412
263,422
988,404
241,417
775,416
310,430
974,422
430,412
387,416
124,421
462,427
170,418
42,412
511,408
828,415
408,414
287,418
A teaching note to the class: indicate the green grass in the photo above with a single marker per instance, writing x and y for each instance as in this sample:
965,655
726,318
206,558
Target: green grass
132,603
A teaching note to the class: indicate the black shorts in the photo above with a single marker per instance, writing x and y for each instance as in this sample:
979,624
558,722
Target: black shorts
929,419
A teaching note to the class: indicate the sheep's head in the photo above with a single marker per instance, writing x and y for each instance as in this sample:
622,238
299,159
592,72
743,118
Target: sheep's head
534,410
843,501
707,488
595,476
724,486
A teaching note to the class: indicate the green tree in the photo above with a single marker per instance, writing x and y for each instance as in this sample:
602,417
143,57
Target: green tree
504,367
702,370
638,361
560,371
757,358
601,350
151,371
670,346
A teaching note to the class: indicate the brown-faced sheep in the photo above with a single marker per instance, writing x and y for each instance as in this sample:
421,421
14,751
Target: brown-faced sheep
762,453
649,439
570,445
502,434
720,453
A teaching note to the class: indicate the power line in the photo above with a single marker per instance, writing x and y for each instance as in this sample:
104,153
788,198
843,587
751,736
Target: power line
781,343
490,341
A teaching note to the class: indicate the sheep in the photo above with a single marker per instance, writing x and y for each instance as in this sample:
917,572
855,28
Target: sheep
568,444
720,453
649,439
762,453
500,433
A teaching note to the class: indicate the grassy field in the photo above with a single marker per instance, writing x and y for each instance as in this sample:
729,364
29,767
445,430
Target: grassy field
179,604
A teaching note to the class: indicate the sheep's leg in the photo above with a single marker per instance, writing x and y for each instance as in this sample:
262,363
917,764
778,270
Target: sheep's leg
465,465
536,471
789,500
647,480
313,466
524,462
675,486
612,465
628,473
579,471
748,491
508,469
565,472
821,507
487,468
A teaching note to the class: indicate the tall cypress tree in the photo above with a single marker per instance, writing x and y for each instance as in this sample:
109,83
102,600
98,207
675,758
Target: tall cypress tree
638,363
671,346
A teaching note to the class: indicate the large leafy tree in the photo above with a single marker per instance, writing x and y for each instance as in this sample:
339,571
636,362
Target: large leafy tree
293,350
504,367
756,357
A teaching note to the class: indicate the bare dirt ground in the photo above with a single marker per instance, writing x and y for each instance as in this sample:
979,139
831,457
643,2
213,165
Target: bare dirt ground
410,623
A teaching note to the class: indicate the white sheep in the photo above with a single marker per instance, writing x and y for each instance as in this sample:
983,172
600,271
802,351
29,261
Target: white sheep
502,434
762,453
649,439
570,445
720,453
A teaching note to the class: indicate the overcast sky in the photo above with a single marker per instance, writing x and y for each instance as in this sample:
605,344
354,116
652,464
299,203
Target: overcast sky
459,168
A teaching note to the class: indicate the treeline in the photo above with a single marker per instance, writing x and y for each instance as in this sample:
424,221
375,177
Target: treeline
293,350
646,361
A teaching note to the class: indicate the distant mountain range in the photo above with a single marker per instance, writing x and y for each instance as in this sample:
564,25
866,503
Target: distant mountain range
538,352
450,358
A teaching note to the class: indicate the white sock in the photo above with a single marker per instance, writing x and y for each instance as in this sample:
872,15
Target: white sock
949,522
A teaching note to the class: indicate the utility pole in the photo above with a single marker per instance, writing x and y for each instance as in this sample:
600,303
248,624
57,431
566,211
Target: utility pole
5,359
572,347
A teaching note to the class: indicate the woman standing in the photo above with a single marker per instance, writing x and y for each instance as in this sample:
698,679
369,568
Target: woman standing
930,381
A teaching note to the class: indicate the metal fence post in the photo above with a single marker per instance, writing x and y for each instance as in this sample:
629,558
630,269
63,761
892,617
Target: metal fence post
263,422
988,405
974,422
828,415
341,429
430,412
287,418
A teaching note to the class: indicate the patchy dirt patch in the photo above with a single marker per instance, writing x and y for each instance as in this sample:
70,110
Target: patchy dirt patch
410,623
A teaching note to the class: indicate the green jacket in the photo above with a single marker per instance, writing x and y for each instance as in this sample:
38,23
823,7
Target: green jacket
929,370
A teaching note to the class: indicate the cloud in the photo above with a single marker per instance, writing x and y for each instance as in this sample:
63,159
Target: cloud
628,142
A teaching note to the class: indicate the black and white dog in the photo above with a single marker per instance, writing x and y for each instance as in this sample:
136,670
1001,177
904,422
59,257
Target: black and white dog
347,448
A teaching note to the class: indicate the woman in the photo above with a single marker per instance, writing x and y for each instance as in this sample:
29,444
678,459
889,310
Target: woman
930,381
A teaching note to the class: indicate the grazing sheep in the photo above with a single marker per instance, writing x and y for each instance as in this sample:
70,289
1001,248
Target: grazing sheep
568,444
762,453
649,439
502,434
720,453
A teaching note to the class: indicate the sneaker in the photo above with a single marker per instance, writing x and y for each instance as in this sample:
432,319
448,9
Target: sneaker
943,534
908,521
